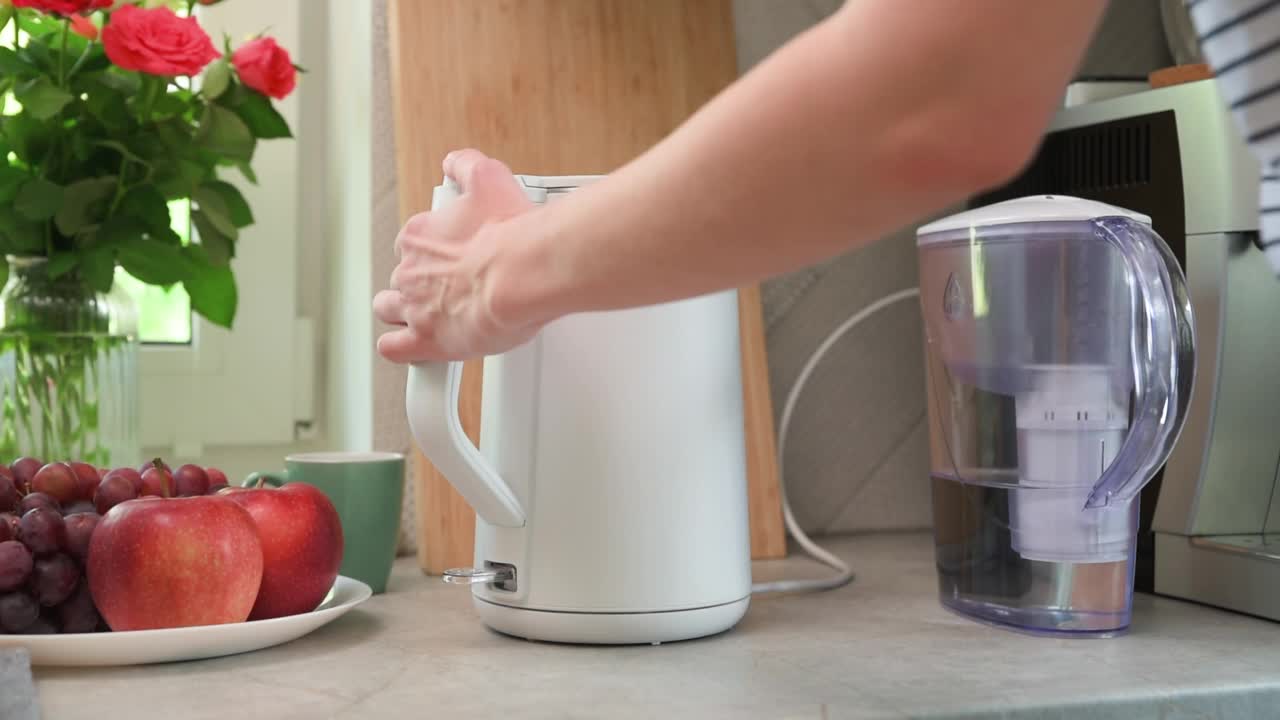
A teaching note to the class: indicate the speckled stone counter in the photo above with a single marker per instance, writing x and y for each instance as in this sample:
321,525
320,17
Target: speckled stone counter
878,648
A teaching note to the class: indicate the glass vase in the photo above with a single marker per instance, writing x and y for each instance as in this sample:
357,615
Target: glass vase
68,369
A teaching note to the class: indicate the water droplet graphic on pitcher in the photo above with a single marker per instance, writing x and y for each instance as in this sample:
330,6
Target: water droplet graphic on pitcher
953,304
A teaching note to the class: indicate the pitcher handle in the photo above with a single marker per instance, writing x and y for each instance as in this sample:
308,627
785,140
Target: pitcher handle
431,400
1163,350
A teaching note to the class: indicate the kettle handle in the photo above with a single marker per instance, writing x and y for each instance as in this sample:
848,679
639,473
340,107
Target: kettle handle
1163,351
431,400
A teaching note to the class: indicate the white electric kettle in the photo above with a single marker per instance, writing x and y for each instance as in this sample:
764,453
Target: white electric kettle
610,482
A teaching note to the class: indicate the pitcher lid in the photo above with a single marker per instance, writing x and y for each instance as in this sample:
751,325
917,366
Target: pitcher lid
1030,209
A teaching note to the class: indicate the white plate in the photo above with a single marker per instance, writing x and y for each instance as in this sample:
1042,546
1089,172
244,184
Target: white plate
139,647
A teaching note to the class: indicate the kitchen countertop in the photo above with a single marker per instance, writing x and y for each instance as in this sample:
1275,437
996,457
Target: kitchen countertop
880,647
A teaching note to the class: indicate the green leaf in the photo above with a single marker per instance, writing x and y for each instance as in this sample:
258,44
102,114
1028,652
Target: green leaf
4,274
22,236
98,267
180,179
82,201
61,263
145,204
11,179
118,230
107,105
212,290
168,106
124,151
218,248
216,80
237,207
38,199
214,209
28,137
127,84
258,114
248,172
42,98
153,262
10,64
225,134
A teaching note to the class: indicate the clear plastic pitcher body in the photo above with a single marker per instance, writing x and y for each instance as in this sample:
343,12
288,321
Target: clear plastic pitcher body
1060,359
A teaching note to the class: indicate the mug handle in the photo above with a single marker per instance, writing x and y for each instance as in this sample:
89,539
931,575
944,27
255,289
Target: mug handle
275,479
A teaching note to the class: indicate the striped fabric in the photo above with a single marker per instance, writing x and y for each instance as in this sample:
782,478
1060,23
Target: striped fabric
1240,40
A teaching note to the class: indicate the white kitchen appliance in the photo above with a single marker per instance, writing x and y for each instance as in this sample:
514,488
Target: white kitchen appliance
610,482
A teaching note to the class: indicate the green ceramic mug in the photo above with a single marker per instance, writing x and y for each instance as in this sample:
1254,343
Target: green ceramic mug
367,488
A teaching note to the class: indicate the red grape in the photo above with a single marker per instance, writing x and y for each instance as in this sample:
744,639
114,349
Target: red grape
216,476
17,612
10,519
58,481
9,495
43,531
79,532
152,463
78,614
42,626
157,482
133,476
114,490
25,468
87,479
34,500
53,579
15,565
190,480
79,506
7,532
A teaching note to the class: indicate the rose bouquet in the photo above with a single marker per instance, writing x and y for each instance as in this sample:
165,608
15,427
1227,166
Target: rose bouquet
114,112
111,130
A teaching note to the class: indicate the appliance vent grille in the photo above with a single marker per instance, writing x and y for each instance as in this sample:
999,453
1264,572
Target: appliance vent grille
1090,160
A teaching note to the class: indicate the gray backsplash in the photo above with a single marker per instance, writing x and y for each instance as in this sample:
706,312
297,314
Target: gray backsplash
856,450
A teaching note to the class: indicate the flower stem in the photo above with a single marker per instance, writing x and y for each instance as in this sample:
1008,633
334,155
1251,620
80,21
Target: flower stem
62,55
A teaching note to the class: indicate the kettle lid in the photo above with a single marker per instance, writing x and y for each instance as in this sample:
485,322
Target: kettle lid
1030,209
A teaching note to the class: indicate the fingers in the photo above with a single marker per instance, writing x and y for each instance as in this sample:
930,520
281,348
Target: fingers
487,179
404,346
388,306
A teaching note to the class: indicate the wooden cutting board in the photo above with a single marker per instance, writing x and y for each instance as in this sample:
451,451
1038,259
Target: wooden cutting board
557,87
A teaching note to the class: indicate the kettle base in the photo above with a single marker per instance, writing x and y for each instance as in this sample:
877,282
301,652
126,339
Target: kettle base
648,628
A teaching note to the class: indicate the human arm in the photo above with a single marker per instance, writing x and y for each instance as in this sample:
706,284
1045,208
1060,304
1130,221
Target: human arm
880,114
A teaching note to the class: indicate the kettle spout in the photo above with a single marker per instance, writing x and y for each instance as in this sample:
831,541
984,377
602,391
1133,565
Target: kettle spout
431,401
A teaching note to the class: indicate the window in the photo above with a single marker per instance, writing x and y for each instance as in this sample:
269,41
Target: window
205,386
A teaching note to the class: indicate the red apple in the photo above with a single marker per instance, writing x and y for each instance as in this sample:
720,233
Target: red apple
180,562
87,479
301,546
58,481
190,480
25,468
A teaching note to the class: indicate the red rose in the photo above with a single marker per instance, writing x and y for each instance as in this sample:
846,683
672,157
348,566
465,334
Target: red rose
265,66
156,42
63,7
83,27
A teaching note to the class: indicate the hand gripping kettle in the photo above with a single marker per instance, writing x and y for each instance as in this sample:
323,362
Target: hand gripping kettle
610,481
1060,359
